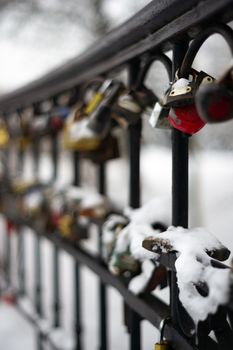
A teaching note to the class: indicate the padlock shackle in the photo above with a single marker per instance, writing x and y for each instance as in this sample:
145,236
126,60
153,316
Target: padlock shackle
87,85
162,326
225,31
146,63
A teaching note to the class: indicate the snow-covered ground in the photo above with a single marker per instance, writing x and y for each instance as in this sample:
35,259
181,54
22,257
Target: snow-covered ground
211,201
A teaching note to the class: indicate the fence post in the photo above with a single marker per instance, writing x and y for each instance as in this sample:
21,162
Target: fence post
37,267
103,330
77,289
20,230
180,173
56,269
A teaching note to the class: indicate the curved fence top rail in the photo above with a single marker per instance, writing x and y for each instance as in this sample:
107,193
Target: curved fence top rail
157,25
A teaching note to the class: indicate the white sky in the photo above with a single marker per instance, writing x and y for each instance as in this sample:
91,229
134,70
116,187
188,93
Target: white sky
40,44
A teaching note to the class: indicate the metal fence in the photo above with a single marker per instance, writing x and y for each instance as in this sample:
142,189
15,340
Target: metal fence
159,27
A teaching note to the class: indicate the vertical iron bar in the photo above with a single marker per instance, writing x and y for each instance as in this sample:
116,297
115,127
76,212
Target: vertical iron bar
180,159
7,243
77,291
21,248
56,269
134,202
38,289
54,144
56,288
134,196
21,159
103,331
36,157
21,257
8,255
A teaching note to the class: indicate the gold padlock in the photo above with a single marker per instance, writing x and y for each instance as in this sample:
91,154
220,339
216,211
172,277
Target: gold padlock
163,344
4,135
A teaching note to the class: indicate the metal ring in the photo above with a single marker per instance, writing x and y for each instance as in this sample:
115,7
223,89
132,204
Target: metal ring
162,325
148,60
225,31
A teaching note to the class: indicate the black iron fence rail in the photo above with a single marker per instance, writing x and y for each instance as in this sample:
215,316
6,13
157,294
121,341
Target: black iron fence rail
156,27
161,26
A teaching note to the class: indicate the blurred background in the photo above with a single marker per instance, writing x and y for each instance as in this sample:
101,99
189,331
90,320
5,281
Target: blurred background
39,35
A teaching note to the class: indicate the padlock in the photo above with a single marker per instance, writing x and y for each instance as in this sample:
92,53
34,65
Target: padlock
163,344
131,104
124,263
159,117
100,119
69,223
65,225
181,91
215,101
77,136
98,97
21,187
25,139
108,149
186,119
4,135
58,117
110,231
183,114
39,125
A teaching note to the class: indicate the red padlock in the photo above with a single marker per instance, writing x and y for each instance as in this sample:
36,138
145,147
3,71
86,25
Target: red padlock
186,119
9,227
56,123
215,101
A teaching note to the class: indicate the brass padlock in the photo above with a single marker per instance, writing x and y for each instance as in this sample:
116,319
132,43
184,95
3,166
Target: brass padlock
107,150
163,344
4,135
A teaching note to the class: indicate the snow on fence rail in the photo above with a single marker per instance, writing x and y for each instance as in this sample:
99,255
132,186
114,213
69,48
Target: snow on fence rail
84,100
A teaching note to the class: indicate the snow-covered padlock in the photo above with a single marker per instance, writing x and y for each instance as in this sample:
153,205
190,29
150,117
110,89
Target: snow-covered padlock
124,263
203,282
215,101
111,229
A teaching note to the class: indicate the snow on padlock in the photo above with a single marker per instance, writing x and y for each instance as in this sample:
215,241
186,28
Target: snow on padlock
128,254
196,250
110,230
186,119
